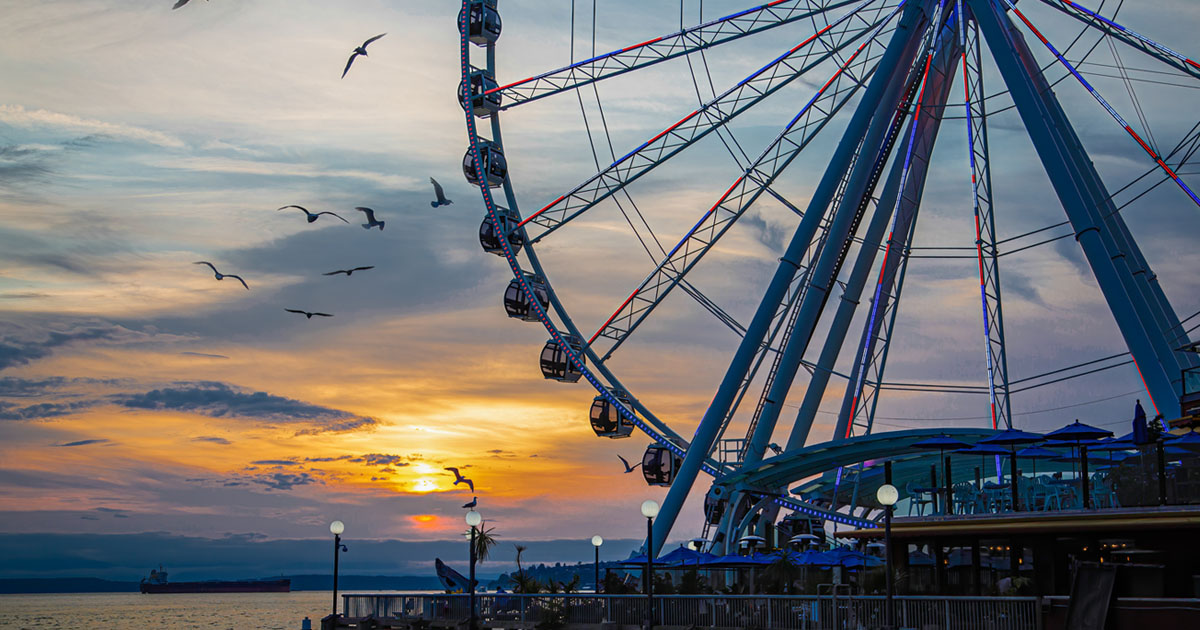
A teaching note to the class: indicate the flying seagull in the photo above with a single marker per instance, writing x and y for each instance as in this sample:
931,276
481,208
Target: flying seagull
458,478
312,217
628,468
348,272
472,504
361,50
222,276
371,222
307,314
441,194
179,4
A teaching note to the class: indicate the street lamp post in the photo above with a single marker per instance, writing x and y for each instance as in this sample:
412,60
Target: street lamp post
336,528
473,519
887,496
649,510
596,542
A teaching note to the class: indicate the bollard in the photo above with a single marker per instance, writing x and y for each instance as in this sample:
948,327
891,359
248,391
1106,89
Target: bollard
306,624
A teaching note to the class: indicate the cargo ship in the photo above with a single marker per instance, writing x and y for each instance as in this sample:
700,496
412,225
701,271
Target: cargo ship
157,583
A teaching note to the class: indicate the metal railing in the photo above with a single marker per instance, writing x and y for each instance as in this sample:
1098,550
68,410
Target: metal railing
769,612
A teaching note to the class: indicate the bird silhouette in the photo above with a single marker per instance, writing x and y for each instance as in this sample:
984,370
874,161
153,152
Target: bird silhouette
472,504
371,222
179,4
312,216
222,276
361,50
628,468
458,478
307,314
348,272
439,193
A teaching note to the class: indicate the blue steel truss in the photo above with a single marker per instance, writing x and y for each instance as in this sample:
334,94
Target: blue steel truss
917,60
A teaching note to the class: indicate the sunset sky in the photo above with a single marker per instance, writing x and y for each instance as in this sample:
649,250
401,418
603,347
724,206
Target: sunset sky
138,394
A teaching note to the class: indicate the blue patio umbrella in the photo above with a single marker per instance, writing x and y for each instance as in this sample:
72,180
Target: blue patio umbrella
1113,445
1078,432
684,557
1189,440
1091,457
983,450
849,558
733,560
1175,452
942,443
1167,437
1011,438
1036,453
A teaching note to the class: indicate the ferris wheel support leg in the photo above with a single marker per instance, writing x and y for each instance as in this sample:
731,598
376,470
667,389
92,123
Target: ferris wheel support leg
899,53
1085,202
933,100
875,146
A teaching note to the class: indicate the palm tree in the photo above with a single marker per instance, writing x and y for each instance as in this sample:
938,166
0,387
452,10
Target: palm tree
520,549
484,541
521,583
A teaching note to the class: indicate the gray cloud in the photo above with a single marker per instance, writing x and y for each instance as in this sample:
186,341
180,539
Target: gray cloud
211,438
40,411
22,165
14,387
380,459
768,234
282,481
16,351
85,442
205,355
220,400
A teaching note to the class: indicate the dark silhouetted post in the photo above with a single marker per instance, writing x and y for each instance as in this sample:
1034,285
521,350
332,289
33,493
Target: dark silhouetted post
649,510
596,542
474,520
1083,477
336,527
887,495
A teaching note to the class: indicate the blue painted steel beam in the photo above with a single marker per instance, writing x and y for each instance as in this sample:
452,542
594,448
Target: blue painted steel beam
824,273
923,134
1085,201
898,51
802,463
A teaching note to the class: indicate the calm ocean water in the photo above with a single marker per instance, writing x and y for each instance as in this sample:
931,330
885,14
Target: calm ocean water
134,611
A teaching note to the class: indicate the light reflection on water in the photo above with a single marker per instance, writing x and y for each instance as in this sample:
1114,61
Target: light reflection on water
183,611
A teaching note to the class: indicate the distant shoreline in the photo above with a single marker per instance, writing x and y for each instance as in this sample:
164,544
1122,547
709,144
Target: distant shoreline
307,582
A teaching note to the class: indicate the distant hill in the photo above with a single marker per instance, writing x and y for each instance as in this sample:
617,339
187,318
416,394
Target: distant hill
311,582
66,585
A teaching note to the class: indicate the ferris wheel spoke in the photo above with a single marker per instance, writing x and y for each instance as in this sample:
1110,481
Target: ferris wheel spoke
1127,35
683,42
715,222
985,223
1158,159
717,112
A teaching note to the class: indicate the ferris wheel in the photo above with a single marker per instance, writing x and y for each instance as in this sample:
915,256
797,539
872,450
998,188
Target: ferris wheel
889,72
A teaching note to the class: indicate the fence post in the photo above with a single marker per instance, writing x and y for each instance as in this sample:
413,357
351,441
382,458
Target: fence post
946,606
522,608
